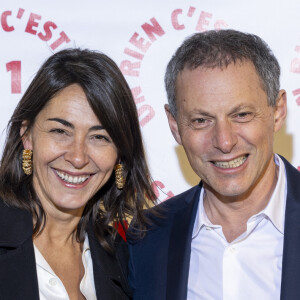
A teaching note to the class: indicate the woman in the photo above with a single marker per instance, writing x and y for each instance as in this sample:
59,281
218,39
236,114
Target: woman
75,124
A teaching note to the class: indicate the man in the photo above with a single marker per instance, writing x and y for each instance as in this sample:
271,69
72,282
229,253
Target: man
237,234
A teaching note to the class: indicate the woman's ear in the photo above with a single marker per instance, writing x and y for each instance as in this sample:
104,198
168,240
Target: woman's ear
26,135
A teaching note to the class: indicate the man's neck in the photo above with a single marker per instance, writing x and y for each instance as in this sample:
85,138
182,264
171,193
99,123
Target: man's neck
232,213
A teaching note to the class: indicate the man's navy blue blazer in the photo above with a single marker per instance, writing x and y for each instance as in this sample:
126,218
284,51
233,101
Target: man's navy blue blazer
159,263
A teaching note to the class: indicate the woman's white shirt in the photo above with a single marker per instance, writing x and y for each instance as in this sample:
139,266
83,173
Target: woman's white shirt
52,288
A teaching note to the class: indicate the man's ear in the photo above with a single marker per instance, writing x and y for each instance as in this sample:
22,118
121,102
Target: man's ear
173,124
26,135
280,110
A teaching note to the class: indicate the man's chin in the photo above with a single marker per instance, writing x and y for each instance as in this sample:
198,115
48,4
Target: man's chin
230,192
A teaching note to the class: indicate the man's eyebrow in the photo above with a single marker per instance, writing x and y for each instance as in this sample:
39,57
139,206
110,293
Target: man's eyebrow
241,107
235,109
201,112
70,125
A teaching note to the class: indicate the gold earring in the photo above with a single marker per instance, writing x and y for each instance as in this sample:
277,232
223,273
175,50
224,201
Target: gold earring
120,180
27,162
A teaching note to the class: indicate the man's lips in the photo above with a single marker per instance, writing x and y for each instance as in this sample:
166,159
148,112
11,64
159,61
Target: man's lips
234,163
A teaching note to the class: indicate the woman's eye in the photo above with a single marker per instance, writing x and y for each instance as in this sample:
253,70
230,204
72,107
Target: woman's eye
101,138
58,130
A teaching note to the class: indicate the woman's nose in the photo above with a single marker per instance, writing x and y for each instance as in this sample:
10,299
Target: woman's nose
77,154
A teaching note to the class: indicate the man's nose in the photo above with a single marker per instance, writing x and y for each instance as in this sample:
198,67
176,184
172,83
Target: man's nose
224,136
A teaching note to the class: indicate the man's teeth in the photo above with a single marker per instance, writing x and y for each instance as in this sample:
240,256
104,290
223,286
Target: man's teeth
72,179
231,164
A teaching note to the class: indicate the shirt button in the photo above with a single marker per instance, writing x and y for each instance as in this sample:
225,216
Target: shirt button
231,249
53,281
208,228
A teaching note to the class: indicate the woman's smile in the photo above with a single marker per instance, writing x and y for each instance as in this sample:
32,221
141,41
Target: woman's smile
73,156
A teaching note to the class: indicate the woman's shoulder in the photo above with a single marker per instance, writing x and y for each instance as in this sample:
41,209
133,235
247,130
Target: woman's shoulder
15,224
8,210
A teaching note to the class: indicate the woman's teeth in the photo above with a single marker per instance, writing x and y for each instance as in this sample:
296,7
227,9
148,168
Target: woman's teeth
231,164
72,179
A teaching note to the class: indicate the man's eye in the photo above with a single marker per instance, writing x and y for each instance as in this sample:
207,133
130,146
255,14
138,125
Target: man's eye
244,116
200,120
199,123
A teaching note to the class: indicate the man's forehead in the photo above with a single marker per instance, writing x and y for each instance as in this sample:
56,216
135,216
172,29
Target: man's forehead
204,74
238,85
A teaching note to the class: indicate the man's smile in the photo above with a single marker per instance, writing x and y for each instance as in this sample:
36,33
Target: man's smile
232,163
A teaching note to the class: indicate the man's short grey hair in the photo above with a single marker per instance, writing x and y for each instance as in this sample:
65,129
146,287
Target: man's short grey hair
218,49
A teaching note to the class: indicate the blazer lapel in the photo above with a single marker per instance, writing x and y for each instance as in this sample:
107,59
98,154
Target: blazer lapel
180,249
110,271
290,284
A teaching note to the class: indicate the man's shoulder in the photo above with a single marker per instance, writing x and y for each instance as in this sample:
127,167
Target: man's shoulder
290,169
292,174
293,179
179,201
162,216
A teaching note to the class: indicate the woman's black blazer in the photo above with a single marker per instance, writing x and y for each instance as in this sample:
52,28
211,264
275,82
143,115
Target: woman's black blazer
18,276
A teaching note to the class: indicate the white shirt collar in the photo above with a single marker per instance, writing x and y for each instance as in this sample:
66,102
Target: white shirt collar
275,209
41,261
51,287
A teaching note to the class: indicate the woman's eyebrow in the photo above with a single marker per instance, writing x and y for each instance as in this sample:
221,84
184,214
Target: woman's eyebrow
62,121
96,127
68,124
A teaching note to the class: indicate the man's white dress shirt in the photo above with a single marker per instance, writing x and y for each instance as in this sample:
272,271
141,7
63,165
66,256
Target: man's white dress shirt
250,266
52,288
